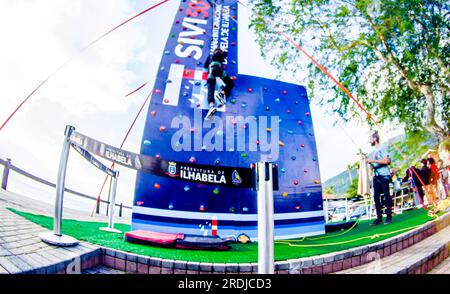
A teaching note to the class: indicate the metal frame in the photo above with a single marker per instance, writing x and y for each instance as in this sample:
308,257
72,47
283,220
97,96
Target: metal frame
57,238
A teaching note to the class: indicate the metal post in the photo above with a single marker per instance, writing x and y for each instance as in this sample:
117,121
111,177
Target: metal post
112,205
6,173
265,218
57,238
120,210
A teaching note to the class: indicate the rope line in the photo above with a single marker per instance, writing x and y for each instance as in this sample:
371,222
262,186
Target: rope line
73,57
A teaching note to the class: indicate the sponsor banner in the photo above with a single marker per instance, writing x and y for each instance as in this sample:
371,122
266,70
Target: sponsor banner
203,174
94,160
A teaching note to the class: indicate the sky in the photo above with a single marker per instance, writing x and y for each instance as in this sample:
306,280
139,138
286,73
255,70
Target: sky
89,92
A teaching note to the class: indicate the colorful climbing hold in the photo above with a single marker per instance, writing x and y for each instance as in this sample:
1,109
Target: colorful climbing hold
317,182
307,114
296,182
192,159
267,108
244,209
288,111
158,156
233,101
281,143
277,100
297,207
283,170
305,170
162,128
217,162
232,209
243,104
202,208
302,145
158,91
290,132
170,206
157,186
147,142
285,194
268,129
244,155
293,158
216,191
186,188
300,122
250,90
285,92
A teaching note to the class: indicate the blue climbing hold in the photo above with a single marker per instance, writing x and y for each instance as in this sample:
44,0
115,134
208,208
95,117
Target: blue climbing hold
147,142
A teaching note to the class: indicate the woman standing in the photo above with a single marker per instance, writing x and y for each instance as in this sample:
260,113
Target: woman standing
434,178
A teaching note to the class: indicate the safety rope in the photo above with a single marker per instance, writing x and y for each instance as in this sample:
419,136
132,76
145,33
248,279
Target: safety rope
76,55
121,145
137,89
374,236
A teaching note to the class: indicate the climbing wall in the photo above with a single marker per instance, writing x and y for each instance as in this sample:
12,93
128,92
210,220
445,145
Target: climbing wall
181,206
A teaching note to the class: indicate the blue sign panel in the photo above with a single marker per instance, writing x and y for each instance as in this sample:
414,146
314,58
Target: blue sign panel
262,120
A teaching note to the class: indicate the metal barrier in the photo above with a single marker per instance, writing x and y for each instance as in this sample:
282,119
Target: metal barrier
9,166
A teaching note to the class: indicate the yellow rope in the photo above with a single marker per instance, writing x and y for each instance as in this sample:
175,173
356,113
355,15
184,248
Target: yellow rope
374,236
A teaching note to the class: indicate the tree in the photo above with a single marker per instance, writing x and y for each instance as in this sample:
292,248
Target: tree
392,54
329,190
352,190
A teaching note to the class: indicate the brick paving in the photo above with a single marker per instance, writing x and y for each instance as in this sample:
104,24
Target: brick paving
442,268
102,270
22,251
419,258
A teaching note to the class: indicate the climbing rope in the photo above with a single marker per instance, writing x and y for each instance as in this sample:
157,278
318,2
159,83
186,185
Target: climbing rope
121,145
374,236
75,56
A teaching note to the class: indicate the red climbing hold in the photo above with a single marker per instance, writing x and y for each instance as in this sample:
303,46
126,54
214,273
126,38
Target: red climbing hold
233,78
158,91
307,114
284,92
153,113
162,128
250,90
157,186
302,145
296,182
300,122
166,100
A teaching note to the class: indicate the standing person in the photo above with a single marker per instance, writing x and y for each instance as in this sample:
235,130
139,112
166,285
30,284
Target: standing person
214,63
434,178
414,173
425,173
443,176
381,179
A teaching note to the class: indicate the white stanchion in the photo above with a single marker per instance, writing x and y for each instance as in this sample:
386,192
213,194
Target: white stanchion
112,204
265,218
56,237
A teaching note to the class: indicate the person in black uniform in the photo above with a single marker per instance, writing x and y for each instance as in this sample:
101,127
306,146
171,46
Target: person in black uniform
214,63
414,174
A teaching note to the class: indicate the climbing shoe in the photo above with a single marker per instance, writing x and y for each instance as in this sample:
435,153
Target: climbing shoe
220,98
210,113
376,222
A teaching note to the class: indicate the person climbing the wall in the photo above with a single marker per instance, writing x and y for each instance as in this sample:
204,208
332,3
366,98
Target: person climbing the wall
214,63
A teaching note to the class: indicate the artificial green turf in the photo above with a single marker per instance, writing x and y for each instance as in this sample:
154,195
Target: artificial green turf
89,231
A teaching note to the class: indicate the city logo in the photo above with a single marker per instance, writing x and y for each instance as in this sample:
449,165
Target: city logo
236,178
172,169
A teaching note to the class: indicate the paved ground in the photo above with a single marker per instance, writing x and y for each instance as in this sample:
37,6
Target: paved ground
22,251
442,268
102,270
403,259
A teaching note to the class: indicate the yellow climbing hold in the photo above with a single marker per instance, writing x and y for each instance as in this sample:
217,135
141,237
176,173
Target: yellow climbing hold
281,143
285,194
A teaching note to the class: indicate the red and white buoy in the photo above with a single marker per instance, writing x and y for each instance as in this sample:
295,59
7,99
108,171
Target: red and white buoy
214,226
